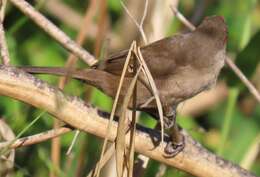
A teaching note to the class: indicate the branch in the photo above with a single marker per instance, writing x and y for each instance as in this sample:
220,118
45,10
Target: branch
194,159
34,139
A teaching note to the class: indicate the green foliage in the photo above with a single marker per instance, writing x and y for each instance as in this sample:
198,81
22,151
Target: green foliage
247,60
115,6
238,14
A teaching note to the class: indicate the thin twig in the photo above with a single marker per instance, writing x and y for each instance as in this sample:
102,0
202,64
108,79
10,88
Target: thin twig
228,61
54,31
252,154
73,142
102,25
243,78
139,26
55,151
3,46
2,9
35,139
144,14
182,18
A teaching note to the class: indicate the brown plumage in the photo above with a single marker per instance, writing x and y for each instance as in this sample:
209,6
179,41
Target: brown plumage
182,66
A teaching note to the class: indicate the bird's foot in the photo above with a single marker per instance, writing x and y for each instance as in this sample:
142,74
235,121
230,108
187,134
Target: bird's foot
173,148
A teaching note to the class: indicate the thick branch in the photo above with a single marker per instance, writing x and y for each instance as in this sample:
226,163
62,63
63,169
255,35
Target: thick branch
193,159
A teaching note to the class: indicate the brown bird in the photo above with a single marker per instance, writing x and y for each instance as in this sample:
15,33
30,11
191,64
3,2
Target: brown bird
182,66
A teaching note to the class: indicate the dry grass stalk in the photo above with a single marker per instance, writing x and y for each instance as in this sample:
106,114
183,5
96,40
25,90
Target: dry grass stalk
115,102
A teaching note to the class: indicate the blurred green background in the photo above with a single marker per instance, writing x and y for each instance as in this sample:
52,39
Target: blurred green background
230,127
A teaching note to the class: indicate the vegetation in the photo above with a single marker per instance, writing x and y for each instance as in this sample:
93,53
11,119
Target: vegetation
226,120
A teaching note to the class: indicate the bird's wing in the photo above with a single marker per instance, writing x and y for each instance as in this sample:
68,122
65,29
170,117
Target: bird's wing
160,56
114,64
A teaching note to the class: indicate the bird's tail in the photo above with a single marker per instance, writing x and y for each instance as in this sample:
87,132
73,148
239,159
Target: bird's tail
45,70
59,71
98,78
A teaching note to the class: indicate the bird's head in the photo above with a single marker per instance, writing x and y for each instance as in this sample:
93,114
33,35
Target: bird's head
215,27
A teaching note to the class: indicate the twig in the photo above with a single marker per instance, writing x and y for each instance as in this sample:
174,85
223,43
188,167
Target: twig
182,18
2,9
228,61
73,142
139,26
34,139
102,25
3,45
144,15
194,159
54,31
252,153
243,78
55,151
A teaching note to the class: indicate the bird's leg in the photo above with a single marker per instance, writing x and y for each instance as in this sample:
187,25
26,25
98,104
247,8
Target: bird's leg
177,139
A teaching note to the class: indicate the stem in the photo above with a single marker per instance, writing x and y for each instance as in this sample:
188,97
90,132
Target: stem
232,98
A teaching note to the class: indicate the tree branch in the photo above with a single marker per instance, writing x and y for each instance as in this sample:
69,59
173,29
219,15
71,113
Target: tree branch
37,138
194,159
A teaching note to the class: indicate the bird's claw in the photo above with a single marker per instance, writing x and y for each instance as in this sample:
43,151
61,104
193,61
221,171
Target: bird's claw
173,148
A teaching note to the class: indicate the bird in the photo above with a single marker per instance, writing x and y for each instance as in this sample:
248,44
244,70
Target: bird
182,66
